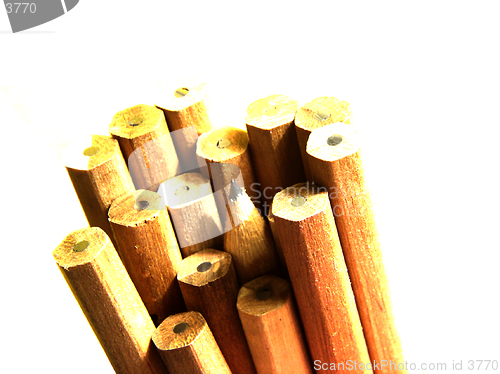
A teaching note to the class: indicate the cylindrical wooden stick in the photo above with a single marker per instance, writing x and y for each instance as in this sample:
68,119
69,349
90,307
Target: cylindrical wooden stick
315,114
222,148
336,164
272,327
209,286
187,345
107,296
184,103
99,175
248,237
319,278
274,146
192,207
148,247
146,145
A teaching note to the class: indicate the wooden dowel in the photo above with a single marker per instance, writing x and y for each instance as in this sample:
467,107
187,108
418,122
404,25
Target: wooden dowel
209,286
273,144
222,148
148,247
187,346
184,103
315,114
146,145
192,207
336,163
319,278
272,327
109,300
99,175
248,237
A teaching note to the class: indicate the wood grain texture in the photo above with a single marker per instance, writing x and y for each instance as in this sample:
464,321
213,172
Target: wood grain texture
340,169
146,145
99,175
274,146
248,238
209,286
192,207
109,300
224,148
277,243
272,327
148,247
315,114
187,346
186,108
319,278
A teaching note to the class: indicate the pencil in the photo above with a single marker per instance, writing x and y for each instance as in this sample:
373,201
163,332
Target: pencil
146,145
222,148
186,109
187,346
209,286
109,300
315,114
336,163
248,237
192,207
273,144
148,247
272,327
99,175
319,278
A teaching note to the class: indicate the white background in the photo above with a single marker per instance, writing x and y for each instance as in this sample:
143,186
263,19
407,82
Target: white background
423,81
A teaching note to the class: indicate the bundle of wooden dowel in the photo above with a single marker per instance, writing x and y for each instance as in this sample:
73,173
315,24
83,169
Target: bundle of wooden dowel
218,250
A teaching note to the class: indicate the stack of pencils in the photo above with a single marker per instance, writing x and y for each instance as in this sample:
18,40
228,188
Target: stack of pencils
218,250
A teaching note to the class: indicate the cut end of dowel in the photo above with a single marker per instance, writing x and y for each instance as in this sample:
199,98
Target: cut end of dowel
80,247
179,93
90,151
137,121
322,111
221,144
300,201
271,112
333,142
263,295
179,330
135,209
204,267
185,189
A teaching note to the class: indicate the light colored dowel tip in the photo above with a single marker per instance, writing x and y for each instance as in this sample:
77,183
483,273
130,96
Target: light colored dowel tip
271,112
333,142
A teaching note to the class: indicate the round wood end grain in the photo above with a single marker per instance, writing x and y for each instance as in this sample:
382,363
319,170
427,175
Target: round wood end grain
322,111
333,142
179,94
300,201
271,111
135,209
137,121
80,247
185,189
263,295
221,144
179,330
204,267
89,152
